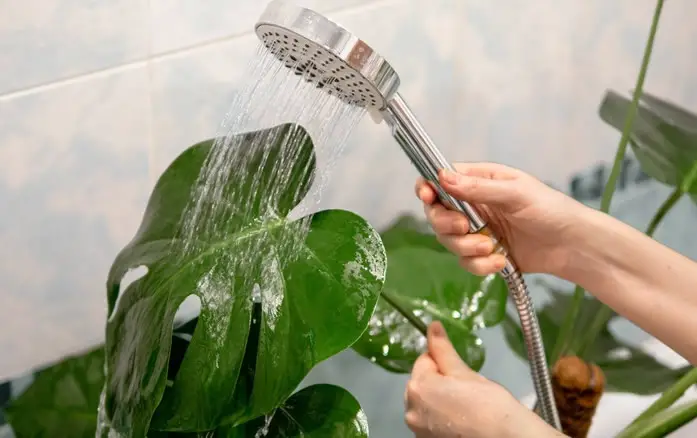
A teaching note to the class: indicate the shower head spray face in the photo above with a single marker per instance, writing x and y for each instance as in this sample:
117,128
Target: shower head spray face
327,55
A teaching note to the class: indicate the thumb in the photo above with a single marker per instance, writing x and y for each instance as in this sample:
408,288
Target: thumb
443,353
478,189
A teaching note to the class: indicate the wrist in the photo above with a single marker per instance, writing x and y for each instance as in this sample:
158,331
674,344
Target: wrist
588,245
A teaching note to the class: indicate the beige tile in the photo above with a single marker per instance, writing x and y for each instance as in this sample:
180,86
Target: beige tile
183,23
46,40
73,181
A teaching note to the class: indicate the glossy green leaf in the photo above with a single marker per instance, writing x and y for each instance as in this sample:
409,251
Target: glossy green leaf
318,411
663,137
424,279
626,368
62,400
318,279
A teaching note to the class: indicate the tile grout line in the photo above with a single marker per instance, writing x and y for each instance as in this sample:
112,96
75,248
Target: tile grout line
149,59
152,153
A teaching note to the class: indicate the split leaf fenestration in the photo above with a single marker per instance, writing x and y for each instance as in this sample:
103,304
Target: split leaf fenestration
318,279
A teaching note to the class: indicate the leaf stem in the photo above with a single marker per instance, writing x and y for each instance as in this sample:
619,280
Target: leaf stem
663,210
413,319
663,423
670,396
605,312
568,325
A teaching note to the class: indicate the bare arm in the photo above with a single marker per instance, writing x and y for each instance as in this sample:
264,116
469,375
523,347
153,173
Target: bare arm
641,279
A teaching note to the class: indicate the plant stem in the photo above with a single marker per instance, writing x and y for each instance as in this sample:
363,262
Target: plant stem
663,210
663,423
413,319
605,313
670,396
567,327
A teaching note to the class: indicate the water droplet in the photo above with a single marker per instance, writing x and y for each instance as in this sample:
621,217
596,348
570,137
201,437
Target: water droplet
418,312
424,303
385,350
456,314
372,359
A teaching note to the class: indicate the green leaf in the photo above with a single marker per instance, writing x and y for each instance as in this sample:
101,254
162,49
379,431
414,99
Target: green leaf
315,304
427,281
663,138
63,399
318,411
626,368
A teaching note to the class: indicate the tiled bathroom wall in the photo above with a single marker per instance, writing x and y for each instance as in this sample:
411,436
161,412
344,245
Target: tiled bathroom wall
97,97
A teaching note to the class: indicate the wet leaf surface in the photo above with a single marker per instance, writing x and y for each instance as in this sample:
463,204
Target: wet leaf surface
626,368
317,291
425,279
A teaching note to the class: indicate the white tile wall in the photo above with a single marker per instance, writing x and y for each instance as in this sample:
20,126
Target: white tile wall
73,183
97,97
42,41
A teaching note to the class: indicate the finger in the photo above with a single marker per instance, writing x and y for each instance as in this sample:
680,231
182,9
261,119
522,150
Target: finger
425,192
487,170
469,245
423,366
443,353
479,190
444,221
484,265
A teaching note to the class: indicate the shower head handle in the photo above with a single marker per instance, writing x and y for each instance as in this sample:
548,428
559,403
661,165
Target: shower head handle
425,155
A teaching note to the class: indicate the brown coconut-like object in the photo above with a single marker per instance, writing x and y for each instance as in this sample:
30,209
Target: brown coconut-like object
578,387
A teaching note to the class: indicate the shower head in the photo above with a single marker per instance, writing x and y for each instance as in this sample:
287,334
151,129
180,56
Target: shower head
328,55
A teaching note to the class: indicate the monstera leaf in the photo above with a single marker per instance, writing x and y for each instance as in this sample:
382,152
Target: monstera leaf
626,368
318,279
318,411
663,137
63,399
427,281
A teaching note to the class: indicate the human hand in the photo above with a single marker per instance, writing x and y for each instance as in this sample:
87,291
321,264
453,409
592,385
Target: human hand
534,220
446,399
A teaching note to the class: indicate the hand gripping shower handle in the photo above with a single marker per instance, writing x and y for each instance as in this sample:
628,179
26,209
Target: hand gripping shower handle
428,160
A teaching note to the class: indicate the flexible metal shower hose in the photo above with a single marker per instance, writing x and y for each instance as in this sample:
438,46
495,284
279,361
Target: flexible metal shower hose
535,347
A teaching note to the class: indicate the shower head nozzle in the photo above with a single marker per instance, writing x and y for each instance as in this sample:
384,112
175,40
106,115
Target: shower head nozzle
327,55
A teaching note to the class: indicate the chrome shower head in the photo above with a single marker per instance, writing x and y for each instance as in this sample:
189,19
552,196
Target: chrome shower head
327,55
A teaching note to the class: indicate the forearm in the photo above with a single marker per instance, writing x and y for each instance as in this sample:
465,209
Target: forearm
642,280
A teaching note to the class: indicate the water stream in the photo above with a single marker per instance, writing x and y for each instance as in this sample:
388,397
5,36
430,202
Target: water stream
270,95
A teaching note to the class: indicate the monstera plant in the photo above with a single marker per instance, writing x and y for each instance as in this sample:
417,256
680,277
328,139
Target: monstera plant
277,296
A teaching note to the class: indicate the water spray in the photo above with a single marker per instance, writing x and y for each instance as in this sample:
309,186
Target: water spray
333,59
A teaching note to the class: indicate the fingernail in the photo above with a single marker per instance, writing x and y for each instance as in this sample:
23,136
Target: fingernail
500,262
437,329
449,176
